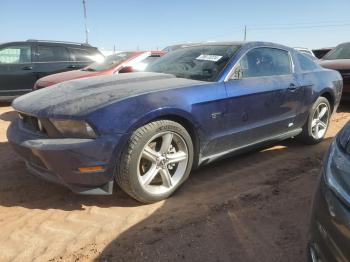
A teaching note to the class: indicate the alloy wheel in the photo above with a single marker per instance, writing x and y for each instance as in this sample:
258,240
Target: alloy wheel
162,162
320,121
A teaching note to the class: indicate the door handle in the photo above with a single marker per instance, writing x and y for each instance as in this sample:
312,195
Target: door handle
71,66
292,87
27,68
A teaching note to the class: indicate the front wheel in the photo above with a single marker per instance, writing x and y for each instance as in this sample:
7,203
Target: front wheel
157,160
317,124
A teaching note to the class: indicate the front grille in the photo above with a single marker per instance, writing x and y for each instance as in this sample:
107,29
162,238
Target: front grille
32,123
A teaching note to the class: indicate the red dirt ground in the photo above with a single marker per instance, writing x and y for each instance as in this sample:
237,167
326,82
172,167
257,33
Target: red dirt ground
253,207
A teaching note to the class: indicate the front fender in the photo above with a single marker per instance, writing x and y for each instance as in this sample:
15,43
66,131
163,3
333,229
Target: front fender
129,114
163,113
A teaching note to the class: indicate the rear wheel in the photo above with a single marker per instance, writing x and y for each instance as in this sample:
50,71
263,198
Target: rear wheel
156,162
317,124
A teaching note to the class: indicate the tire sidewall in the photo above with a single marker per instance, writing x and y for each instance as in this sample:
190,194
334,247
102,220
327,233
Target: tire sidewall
310,137
157,127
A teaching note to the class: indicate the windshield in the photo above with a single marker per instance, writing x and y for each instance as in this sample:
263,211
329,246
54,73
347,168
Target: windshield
109,62
340,52
197,62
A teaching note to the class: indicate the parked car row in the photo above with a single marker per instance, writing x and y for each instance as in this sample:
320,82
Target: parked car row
339,59
23,63
198,103
123,62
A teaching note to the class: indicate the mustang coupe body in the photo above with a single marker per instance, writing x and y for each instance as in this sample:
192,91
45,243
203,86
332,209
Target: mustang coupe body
147,130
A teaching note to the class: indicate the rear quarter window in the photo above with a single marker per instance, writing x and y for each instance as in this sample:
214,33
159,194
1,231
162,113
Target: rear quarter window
306,64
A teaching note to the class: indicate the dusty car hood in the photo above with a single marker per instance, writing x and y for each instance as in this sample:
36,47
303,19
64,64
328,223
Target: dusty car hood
337,64
79,97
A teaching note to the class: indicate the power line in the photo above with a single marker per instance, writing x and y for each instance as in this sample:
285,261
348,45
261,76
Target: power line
301,24
297,27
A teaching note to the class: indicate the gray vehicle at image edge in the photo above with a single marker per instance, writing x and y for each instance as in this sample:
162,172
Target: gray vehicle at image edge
329,236
23,63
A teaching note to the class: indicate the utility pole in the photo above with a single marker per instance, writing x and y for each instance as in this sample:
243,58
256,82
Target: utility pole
85,21
245,33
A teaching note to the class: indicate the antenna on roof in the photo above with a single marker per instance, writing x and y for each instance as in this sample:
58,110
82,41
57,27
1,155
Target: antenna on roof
86,28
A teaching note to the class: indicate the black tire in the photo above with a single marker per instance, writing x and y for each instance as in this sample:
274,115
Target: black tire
127,169
306,135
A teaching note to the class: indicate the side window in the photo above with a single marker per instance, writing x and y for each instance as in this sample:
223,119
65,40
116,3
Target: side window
306,64
265,61
52,54
16,54
81,55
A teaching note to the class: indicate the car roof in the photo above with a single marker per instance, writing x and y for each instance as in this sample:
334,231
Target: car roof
211,43
345,43
302,48
52,42
247,44
323,48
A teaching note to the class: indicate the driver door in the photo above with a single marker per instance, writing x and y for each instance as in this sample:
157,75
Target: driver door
262,97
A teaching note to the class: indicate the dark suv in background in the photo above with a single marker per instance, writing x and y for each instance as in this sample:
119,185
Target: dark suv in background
339,59
22,63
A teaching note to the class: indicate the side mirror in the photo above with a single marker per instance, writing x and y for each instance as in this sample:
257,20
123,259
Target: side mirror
237,74
126,69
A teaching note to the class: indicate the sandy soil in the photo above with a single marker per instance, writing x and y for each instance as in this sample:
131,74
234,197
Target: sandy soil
249,208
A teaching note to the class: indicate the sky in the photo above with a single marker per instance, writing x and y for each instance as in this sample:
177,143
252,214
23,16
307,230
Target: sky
154,24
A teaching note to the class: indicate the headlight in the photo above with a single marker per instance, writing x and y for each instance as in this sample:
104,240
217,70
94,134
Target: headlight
344,137
74,128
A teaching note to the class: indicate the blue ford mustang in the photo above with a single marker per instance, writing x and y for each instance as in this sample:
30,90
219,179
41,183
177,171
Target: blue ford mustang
147,130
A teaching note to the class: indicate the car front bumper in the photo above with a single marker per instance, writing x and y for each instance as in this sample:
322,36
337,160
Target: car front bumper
59,160
330,220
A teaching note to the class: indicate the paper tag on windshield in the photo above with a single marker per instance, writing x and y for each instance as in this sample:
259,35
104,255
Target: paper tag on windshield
213,58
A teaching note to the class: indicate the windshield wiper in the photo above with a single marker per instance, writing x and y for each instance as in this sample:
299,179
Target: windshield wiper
193,77
179,75
200,77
